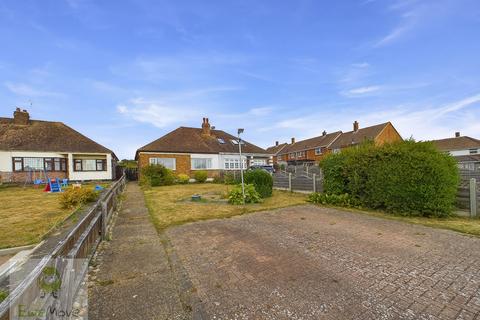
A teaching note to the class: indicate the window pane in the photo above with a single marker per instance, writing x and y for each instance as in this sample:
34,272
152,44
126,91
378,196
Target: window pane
89,165
100,165
200,163
168,163
57,164
17,164
78,165
33,163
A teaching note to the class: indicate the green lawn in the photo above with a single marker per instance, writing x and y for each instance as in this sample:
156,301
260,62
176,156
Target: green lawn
27,214
170,205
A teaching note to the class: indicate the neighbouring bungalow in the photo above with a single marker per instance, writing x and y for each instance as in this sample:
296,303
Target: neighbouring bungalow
466,150
312,150
185,150
31,148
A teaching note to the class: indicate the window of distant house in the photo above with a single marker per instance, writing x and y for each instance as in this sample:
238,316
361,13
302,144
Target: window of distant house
279,158
201,163
473,151
300,154
292,155
90,165
39,164
318,151
221,141
169,163
259,162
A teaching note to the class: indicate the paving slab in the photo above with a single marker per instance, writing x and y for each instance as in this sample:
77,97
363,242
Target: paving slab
309,262
131,277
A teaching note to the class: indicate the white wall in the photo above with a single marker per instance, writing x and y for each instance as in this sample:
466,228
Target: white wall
90,175
216,164
6,157
6,163
462,152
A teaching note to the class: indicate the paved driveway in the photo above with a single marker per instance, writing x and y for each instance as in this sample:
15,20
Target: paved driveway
314,263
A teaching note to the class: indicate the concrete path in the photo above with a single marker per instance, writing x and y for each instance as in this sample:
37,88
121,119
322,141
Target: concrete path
131,277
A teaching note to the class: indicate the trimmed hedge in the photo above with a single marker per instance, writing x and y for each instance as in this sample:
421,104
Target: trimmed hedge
182,178
262,180
200,176
74,197
408,177
156,175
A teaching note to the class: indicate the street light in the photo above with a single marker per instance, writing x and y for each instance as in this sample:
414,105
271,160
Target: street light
240,130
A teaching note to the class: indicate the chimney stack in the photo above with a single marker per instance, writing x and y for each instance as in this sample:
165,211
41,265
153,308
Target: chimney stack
21,117
276,143
324,133
206,127
355,126
293,140
457,134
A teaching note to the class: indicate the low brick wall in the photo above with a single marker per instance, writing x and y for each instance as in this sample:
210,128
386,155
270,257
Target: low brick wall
21,177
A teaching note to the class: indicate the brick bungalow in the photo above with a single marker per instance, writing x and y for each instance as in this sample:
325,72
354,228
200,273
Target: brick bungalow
274,151
28,148
314,149
185,150
466,150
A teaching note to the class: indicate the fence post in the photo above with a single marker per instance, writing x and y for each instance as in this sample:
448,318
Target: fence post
314,182
104,219
290,181
473,198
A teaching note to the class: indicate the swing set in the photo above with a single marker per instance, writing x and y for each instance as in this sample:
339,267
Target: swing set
39,177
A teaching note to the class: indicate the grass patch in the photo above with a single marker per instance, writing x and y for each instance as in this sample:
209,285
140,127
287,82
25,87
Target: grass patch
26,214
167,205
3,295
455,223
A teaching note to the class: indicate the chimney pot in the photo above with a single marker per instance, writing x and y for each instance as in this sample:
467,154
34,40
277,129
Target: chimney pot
355,126
206,127
324,133
276,143
21,117
293,140
457,134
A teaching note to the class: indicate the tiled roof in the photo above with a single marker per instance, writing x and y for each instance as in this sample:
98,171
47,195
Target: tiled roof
355,137
191,140
316,142
275,149
46,136
457,143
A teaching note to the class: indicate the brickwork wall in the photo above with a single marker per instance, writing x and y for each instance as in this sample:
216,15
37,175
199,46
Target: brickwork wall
182,161
21,177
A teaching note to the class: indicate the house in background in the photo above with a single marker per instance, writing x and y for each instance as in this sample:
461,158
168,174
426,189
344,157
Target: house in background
274,151
466,150
312,150
31,147
185,150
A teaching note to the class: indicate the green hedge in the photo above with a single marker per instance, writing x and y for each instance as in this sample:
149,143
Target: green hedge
156,175
200,176
406,177
262,180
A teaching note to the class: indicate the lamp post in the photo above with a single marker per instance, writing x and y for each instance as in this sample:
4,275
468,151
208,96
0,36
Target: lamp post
240,130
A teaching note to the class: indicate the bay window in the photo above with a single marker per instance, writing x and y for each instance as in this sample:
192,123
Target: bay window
39,164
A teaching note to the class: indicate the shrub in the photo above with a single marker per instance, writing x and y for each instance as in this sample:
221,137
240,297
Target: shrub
183,178
74,197
251,195
200,176
407,177
262,180
156,175
218,179
343,200
231,178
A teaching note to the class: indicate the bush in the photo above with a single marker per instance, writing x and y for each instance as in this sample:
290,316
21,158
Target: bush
156,175
407,177
251,195
200,176
183,178
231,178
74,197
343,200
262,180
218,179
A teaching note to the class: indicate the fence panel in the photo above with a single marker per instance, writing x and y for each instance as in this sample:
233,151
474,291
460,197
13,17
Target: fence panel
80,243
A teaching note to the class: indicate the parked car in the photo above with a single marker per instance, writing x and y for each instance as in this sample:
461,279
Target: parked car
269,169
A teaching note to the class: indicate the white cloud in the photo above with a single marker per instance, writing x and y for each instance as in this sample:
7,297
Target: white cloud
361,91
23,89
156,113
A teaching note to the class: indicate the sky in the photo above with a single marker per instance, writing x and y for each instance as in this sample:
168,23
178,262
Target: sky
127,72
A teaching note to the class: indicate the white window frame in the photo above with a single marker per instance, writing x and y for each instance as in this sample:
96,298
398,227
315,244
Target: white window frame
318,151
473,151
234,163
156,160
195,161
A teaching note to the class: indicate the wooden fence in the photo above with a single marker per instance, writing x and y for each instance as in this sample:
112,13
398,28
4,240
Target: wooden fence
66,257
311,182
